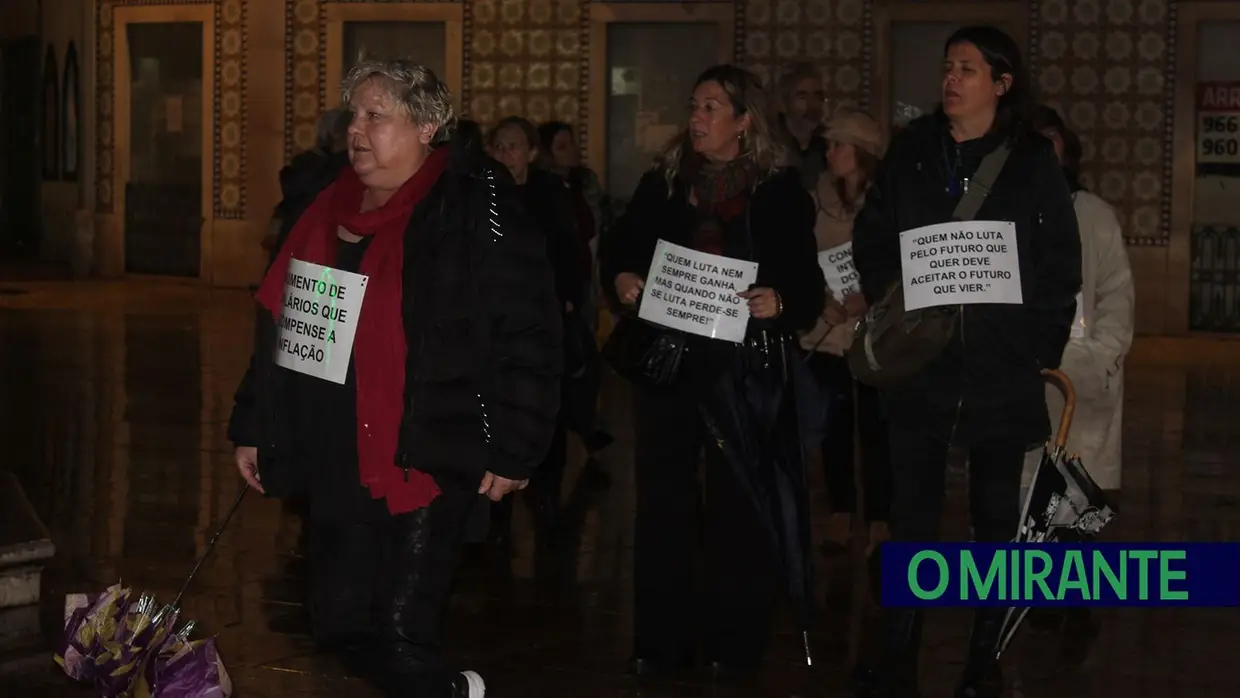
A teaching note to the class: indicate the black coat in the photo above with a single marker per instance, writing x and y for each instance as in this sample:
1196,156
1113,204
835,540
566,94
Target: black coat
546,199
483,330
985,388
777,232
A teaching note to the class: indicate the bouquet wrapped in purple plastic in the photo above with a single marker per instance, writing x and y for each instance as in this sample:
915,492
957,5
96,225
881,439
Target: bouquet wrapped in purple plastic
128,649
126,646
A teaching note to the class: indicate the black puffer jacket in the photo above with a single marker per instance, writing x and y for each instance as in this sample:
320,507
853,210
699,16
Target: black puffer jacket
985,388
483,330
777,232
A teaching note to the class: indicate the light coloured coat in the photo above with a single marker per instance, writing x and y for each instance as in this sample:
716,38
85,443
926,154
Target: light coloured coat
1094,356
832,228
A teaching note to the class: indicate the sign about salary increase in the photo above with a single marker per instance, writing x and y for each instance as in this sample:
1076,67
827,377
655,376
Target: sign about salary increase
839,270
321,307
695,292
960,263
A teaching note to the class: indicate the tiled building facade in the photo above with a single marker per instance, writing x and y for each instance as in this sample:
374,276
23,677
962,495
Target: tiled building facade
1109,65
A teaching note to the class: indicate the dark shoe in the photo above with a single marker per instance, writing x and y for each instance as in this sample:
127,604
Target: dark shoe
983,677
594,475
989,684
1080,629
868,682
727,671
597,441
646,668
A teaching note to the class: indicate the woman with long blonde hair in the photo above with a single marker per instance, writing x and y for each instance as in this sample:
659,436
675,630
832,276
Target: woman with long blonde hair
720,188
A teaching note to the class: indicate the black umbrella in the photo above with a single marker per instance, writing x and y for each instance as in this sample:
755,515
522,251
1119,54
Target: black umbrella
752,414
1064,503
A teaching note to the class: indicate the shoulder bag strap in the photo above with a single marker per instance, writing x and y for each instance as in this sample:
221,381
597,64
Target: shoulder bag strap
979,187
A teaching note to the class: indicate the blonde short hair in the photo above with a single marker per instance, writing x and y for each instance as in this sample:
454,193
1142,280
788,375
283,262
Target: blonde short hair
422,95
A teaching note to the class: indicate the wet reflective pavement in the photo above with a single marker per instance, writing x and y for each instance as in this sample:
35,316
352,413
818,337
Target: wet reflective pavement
114,399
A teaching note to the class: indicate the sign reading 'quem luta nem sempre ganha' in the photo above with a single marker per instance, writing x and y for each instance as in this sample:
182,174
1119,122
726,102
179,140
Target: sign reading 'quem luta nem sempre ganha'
319,320
695,292
960,263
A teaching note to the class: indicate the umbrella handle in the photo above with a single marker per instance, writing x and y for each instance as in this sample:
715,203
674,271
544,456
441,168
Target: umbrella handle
1061,381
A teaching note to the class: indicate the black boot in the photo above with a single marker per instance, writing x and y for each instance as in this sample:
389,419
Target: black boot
896,674
983,676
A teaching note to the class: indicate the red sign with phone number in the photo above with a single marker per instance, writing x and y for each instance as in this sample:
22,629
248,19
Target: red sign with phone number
1218,123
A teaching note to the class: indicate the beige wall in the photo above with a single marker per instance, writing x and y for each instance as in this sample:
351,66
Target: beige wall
1108,66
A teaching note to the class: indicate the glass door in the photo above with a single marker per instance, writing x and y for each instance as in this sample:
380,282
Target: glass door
164,191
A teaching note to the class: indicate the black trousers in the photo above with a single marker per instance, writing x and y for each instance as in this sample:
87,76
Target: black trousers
838,445
919,469
387,584
677,523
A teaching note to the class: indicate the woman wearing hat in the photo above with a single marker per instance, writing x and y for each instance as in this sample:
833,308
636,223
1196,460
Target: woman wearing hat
854,147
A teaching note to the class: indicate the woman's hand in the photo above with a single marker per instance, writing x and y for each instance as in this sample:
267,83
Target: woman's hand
834,313
764,303
495,487
855,305
247,464
629,287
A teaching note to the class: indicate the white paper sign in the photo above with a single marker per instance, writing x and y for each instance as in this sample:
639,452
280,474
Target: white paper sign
839,270
1079,330
695,292
316,329
960,263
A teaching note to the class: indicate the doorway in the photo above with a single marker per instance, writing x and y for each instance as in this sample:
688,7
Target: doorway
644,60
909,71
20,90
163,193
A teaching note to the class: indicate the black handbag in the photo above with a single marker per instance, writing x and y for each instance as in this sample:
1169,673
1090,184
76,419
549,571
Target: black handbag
892,344
645,354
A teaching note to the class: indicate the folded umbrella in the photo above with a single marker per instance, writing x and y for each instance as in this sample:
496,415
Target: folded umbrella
752,414
1064,502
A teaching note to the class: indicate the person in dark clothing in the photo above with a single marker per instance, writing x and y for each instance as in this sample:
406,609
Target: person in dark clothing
545,198
983,395
559,153
799,122
435,381
720,188
308,173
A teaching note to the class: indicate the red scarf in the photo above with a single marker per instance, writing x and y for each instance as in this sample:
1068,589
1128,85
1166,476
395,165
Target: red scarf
379,345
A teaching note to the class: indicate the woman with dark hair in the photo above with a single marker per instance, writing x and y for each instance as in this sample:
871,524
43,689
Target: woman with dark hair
722,188
982,395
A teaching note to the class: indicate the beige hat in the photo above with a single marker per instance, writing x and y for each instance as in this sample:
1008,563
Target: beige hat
857,128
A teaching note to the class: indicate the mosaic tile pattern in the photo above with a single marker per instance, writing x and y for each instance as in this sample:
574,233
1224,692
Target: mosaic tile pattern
230,74
830,33
1107,66
304,96
526,57
229,169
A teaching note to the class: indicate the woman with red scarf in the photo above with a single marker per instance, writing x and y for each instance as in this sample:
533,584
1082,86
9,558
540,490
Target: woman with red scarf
406,363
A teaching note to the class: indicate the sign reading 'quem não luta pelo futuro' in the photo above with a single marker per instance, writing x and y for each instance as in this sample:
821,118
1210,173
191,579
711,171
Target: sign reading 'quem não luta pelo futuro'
319,320
1061,574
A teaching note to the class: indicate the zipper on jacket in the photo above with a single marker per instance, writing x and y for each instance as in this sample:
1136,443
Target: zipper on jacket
964,381
404,454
